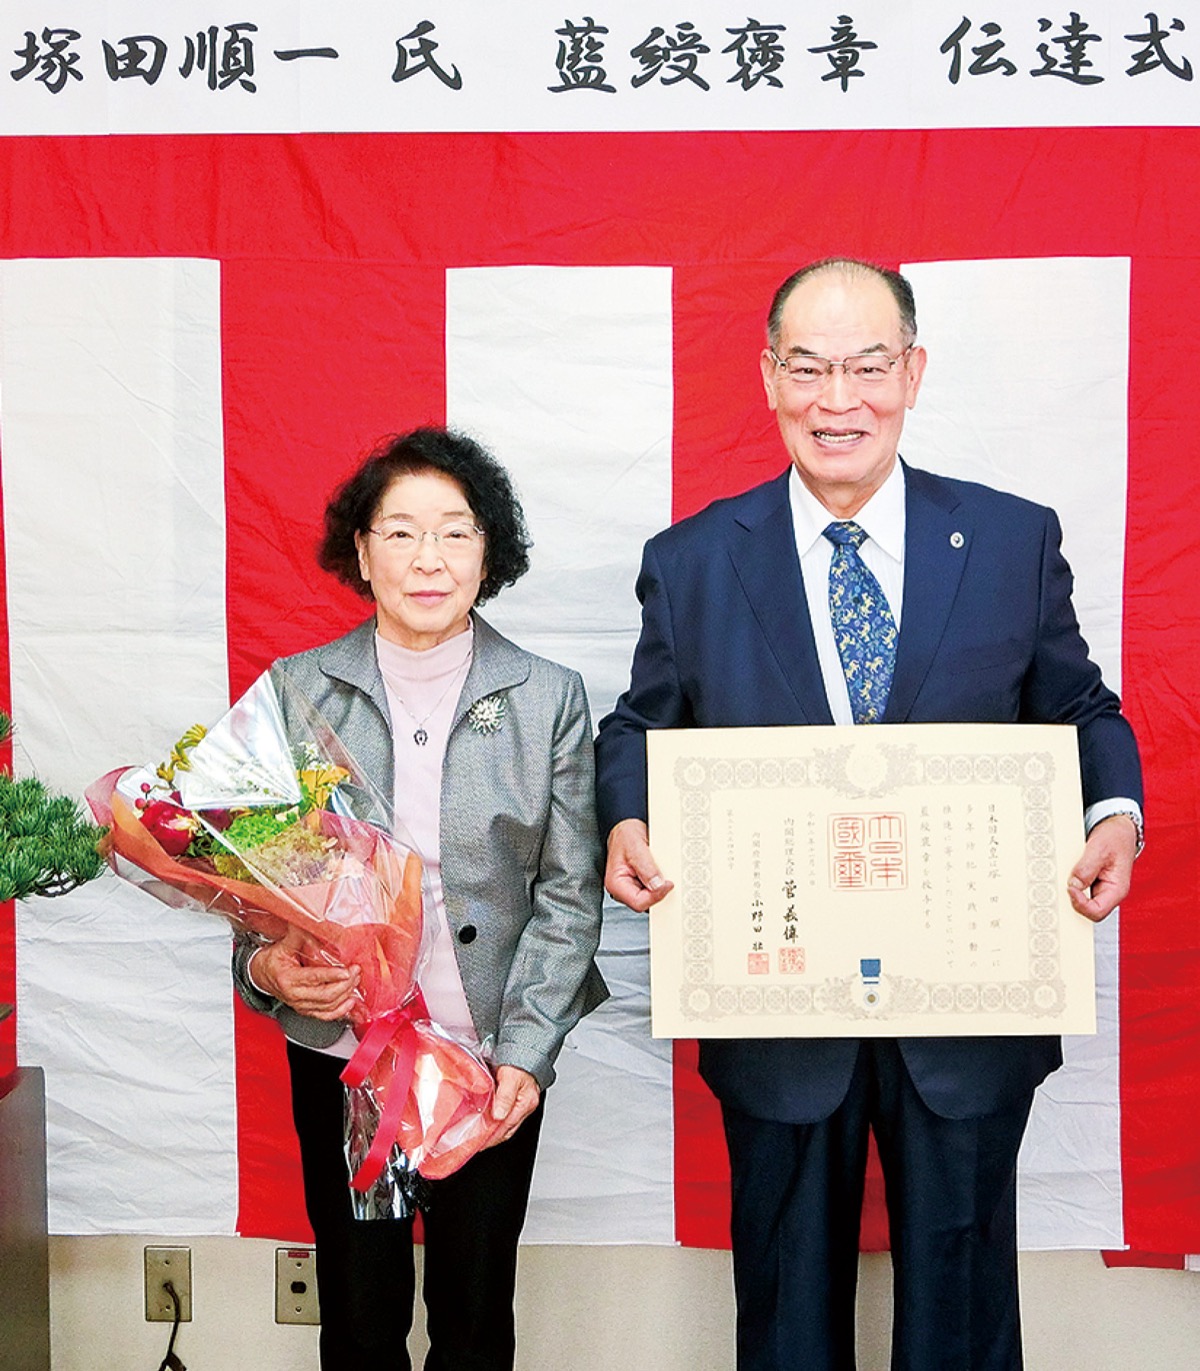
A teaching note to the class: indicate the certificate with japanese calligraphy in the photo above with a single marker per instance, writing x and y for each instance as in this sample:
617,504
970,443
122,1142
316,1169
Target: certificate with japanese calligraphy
897,880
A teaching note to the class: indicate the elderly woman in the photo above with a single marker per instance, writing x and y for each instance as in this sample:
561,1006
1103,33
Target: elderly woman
487,752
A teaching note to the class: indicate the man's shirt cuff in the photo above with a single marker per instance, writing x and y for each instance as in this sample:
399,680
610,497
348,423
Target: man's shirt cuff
1105,809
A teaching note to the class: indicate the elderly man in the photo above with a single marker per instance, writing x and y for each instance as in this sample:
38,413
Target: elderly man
753,613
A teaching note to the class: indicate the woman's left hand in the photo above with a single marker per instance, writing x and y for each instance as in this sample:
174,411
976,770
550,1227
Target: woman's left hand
517,1096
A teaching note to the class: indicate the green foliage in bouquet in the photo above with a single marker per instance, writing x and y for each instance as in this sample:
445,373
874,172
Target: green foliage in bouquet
47,847
286,851
287,845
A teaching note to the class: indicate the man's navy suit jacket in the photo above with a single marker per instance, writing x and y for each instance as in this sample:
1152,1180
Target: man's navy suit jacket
987,634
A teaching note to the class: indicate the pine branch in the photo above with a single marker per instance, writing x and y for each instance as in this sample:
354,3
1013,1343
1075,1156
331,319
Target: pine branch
47,846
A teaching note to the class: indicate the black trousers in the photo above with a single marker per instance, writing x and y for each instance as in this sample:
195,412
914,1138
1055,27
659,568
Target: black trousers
951,1199
365,1270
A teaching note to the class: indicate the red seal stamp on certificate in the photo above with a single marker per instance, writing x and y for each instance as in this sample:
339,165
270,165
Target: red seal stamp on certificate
791,961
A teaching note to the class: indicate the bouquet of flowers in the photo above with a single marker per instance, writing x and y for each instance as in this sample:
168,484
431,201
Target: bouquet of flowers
267,820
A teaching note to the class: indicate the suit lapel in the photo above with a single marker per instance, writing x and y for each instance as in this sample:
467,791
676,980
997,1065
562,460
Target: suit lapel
496,664
763,552
937,542
365,727
352,659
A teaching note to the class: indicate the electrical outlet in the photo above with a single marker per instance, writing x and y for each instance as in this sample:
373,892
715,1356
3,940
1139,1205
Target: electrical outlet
296,1286
165,1264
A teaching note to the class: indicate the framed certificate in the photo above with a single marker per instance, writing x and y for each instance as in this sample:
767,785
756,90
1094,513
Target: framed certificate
891,881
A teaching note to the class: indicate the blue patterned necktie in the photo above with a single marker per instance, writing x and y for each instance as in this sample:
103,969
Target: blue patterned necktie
863,627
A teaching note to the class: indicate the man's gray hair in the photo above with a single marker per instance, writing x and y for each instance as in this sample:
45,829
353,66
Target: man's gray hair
852,267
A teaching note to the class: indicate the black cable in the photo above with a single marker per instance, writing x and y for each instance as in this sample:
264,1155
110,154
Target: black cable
171,1362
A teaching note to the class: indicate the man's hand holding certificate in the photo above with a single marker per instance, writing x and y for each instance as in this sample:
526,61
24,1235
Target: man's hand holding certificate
898,881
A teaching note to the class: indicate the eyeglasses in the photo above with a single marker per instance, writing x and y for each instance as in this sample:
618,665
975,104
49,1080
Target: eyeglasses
863,369
452,540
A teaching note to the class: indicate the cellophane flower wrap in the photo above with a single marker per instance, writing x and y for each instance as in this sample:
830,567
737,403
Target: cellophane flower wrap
267,820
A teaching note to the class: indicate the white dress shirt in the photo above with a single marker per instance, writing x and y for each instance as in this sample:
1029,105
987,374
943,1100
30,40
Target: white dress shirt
882,519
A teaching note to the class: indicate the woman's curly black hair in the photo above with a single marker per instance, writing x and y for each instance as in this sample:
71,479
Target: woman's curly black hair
484,481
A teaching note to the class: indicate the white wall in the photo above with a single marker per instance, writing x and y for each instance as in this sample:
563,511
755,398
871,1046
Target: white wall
606,1308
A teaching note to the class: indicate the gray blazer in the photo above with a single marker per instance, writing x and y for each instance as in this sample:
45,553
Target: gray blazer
520,852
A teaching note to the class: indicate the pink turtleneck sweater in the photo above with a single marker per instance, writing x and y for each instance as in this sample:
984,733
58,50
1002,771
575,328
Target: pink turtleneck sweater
423,690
